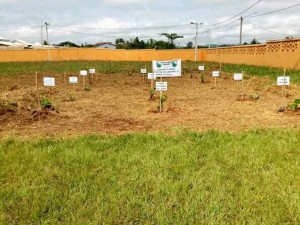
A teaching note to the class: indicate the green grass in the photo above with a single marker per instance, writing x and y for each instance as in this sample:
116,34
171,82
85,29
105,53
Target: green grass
187,178
262,71
16,68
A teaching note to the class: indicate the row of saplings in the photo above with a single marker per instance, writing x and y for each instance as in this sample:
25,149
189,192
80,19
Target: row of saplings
295,106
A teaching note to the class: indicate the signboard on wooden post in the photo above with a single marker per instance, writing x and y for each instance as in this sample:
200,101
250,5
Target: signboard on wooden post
49,81
161,86
73,80
144,71
83,73
92,71
283,81
215,74
239,77
201,68
169,68
152,77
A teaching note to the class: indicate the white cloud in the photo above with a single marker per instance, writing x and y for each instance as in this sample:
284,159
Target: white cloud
115,15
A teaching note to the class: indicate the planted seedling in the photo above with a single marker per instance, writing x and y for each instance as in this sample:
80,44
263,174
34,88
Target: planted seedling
88,88
202,78
255,96
151,93
162,100
46,103
295,105
71,98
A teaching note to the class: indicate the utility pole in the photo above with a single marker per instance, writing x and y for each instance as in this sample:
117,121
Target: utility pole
42,39
196,39
208,38
241,29
47,24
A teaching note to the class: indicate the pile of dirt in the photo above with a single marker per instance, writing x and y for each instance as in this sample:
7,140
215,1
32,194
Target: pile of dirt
7,107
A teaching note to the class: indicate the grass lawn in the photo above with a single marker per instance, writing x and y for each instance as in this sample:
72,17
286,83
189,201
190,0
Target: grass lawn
16,68
187,178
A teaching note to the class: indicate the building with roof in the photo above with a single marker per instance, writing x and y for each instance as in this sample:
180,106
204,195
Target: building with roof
105,45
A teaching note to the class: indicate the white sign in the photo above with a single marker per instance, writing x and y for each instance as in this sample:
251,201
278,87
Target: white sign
201,68
49,81
151,76
170,68
215,73
281,81
143,71
238,76
92,71
161,86
83,72
73,80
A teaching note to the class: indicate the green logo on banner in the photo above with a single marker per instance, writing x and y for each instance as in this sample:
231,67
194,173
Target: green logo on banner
174,63
158,64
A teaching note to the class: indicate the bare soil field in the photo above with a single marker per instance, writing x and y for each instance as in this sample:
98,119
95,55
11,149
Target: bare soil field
119,103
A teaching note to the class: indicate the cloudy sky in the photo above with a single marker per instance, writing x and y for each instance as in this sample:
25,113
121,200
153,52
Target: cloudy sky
93,21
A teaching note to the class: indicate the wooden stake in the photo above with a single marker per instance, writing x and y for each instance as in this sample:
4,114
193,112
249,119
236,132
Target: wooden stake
284,73
37,86
83,82
160,103
215,82
220,62
242,85
65,86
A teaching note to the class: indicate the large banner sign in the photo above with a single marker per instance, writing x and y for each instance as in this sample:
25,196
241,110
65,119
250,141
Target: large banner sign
170,68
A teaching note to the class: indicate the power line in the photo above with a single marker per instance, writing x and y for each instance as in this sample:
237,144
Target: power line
279,10
155,27
118,29
108,35
266,29
235,15
217,28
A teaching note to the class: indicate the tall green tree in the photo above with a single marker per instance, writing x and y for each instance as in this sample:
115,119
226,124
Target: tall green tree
68,44
254,42
120,43
189,44
171,38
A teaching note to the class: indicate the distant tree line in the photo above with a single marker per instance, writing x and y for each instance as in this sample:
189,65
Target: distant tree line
136,43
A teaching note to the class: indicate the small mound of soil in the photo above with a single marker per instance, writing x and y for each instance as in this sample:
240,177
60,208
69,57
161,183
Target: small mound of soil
8,107
43,113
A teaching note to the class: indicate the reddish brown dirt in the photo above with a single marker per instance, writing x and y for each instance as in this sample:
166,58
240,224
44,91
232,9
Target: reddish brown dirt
120,103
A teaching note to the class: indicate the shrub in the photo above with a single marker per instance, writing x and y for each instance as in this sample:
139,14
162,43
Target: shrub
46,102
255,96
151,93
88,88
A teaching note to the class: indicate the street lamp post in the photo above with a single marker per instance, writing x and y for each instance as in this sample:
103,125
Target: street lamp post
196,39
47,24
